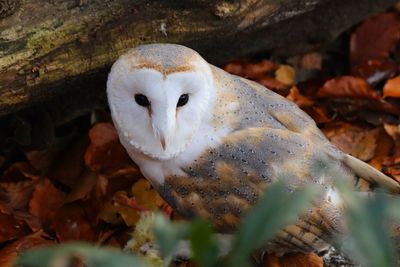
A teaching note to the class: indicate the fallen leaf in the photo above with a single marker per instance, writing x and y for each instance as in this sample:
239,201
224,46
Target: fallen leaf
46,200
115,212
311,60
296,97
347,86
70,224
383,148
18,182
392,88
273,84
318,113
146,195
393,130
375,71
11,251
251,70
375,38
393,171
69,165
357,141
85,184
285,74
19,171
294,260
11,228
105,151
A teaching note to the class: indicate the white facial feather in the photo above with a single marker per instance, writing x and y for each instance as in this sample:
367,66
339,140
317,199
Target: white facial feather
162,130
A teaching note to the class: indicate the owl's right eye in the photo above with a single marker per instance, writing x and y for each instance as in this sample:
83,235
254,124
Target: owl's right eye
142,100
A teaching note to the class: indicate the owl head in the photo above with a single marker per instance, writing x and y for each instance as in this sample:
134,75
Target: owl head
158,95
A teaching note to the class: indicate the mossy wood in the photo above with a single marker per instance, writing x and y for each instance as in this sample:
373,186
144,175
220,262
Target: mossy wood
60,50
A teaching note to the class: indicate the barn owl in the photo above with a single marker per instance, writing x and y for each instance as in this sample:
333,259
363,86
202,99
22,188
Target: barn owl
211,143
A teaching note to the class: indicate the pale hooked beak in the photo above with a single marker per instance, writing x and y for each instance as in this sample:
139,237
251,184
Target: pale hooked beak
162,141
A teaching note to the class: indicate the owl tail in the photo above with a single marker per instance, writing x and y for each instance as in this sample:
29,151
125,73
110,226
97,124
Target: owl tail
371,174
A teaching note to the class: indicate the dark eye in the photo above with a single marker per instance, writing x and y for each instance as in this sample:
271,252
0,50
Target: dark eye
183,99
142,100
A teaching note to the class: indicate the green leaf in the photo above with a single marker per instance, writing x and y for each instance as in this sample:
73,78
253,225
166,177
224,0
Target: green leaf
204,246
367,217
61,255
168,235
275,210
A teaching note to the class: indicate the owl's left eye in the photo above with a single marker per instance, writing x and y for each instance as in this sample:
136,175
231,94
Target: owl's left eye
183,99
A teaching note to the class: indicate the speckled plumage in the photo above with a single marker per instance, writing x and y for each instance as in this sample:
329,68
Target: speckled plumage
247,137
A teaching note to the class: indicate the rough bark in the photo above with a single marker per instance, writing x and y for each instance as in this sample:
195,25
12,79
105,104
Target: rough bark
58,49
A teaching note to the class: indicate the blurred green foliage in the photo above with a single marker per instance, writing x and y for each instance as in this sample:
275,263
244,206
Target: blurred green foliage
367,217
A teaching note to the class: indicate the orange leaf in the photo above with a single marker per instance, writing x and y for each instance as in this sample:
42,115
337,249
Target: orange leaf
250,70
70,224
357,141
347,86
318,114
113,211
295,96
11,251
46,199
392,88
285,74
272,83
69,165
86,182
375,38
294,260
311,61
11,228
375,71
383,148
105,151
18,182
146,196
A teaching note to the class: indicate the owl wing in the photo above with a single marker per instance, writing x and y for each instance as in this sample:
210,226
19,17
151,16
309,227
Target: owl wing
294,119
226,180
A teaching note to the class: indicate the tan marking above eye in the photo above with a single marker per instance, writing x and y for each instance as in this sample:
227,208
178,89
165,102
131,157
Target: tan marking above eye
164,71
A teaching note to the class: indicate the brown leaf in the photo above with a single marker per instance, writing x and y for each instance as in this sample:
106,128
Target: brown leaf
319,114
70,224
383,148
146,195
357,141
311,61
11,251
250,70
19,171
105,151
393,131
294,260
295,96
69,165
18,182
114,211
273,84
11,228
347,86
375,71
375,38
46,199
122,179
285,74
86,182
392,88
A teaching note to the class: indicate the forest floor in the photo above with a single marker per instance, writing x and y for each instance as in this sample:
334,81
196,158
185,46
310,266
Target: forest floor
85,187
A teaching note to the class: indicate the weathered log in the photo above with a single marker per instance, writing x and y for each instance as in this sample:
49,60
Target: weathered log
49,47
